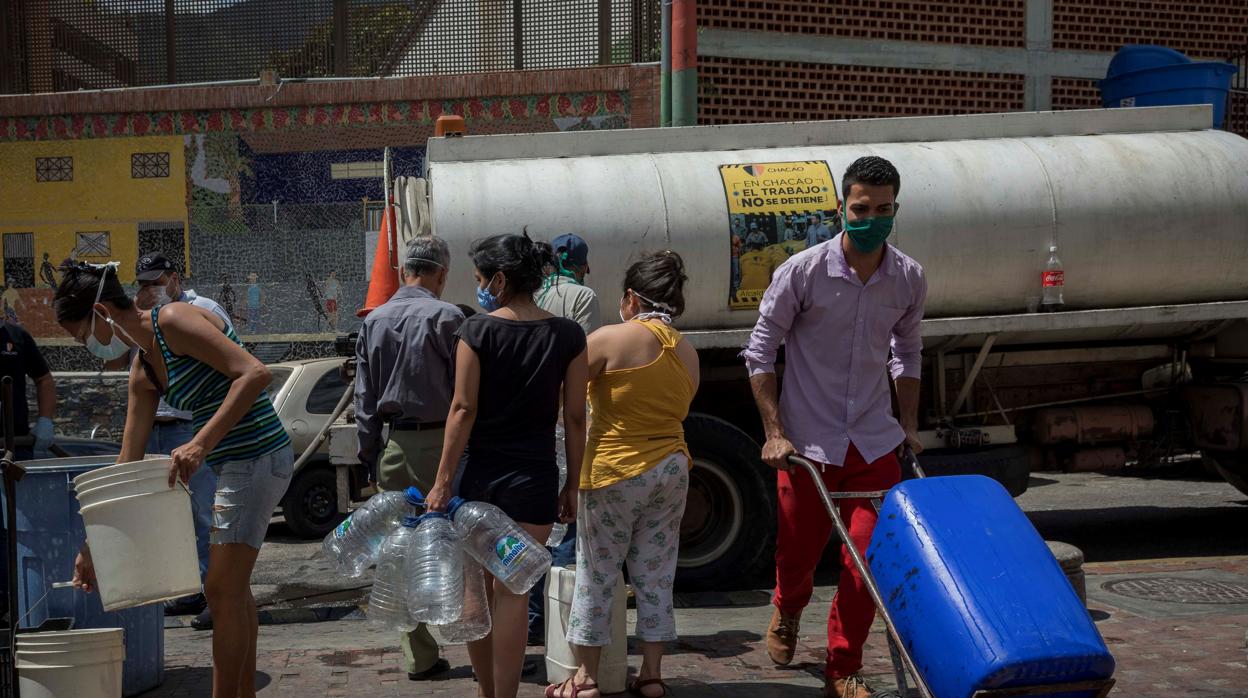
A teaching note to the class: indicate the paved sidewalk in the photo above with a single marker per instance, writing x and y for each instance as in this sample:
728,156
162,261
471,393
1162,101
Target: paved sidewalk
1190,643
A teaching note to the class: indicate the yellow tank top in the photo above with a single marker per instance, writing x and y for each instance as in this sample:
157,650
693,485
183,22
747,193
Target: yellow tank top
636,415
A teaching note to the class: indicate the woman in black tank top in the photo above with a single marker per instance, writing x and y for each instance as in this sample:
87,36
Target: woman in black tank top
512,368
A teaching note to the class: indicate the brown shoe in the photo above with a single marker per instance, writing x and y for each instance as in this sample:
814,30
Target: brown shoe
848,687
782,637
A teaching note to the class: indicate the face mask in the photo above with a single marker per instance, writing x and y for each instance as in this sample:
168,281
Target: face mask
156,296
115,349
488,301
868,234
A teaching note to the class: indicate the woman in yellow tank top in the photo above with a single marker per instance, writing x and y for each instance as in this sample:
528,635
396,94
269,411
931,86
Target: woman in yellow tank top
635,476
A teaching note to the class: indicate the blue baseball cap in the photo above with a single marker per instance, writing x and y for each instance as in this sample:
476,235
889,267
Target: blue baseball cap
572,249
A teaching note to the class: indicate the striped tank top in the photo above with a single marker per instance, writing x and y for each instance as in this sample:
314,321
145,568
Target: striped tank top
198,388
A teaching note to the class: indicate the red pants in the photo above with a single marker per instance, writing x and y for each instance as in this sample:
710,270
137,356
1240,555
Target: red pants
803,532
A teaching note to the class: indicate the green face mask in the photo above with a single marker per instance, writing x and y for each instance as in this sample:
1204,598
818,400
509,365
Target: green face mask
868,234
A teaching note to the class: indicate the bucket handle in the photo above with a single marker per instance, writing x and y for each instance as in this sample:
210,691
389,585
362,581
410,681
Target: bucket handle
33,606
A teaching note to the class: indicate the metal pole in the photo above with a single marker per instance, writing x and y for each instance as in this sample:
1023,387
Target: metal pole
517,33
861,565
342,63
171,43
665,66
684,63
604,32
12,473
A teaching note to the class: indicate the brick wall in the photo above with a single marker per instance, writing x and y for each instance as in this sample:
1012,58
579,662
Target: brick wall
1075,93
744,91
976,22
1210,29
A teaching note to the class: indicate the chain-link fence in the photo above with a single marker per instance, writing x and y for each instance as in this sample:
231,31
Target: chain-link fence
58,45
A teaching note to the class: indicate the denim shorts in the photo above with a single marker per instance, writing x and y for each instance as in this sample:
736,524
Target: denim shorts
247,493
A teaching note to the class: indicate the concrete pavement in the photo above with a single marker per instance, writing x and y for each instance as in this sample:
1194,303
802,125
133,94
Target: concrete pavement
1176,624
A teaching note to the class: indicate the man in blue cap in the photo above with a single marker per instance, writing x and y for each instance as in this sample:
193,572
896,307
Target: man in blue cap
564,293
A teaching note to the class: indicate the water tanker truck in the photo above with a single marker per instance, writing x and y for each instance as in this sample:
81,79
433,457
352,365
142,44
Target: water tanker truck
1144,362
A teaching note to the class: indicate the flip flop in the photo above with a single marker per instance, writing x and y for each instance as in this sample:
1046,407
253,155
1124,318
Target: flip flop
635,686
576,690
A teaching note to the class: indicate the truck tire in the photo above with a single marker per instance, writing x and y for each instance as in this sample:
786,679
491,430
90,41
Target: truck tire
1231,465
1008,465
728,531
311,503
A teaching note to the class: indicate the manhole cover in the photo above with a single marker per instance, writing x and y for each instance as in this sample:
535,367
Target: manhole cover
1179,590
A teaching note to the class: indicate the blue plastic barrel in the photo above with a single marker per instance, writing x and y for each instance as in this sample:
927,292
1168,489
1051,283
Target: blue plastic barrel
1155,76
49,534
975,593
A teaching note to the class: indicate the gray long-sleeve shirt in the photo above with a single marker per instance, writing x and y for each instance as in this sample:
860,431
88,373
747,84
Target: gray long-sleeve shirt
405,366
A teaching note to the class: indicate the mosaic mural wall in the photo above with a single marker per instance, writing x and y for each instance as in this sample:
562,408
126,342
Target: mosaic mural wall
267,210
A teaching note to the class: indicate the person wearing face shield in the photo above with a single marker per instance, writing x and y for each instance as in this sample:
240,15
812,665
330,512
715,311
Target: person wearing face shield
189,356
161,284
846,311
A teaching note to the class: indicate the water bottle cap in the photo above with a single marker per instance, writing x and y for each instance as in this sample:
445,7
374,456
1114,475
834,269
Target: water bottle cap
433,515
410,521
453,506
415,497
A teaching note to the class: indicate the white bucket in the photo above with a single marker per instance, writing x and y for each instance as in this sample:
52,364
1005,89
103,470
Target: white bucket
87,665
561,664
143,548
94,494
148,464
120,477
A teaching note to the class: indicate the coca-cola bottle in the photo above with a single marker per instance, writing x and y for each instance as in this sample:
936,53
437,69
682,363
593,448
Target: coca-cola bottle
1052,281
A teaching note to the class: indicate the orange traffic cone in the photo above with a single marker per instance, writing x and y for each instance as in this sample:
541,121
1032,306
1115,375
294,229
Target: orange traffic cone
385,279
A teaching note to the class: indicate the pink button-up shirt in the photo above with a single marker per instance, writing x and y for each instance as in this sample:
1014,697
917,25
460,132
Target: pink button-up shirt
837,333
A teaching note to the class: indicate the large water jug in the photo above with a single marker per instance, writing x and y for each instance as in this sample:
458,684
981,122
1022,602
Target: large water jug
500,545
387,604
353,545
434,569
474,621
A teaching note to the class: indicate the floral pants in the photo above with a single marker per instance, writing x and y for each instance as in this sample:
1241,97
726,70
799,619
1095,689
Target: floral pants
635,521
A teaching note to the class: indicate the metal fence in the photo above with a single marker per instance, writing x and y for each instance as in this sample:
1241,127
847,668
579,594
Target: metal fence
57,45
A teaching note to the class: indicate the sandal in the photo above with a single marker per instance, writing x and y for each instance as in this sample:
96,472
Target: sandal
635,686
552,689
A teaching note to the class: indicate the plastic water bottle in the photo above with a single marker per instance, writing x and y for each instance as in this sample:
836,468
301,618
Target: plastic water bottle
353,545
435,570
1053,280
474,621
500,545
560,529
387,604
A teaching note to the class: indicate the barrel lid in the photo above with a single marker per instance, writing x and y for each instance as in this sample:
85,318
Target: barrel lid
1135,57
77,464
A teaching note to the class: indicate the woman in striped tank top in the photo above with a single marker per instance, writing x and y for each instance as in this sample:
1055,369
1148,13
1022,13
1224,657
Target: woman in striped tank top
188,356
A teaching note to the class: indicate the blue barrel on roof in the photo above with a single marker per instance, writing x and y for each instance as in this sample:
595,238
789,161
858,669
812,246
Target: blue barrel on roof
1156,76
49,533
975,593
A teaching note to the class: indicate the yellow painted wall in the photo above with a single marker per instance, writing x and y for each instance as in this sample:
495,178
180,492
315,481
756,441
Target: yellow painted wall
102,196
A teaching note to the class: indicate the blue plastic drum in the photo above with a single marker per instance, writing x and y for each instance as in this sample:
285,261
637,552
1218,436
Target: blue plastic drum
49,534
975,593
1155,76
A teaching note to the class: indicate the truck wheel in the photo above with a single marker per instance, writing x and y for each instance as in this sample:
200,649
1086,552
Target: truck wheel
311,504
1008,465
728,531
1231,465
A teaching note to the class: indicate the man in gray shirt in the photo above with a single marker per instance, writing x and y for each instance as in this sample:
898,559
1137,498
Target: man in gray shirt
405,377
564,293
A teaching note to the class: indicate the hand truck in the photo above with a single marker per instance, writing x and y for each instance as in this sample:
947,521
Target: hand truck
903,663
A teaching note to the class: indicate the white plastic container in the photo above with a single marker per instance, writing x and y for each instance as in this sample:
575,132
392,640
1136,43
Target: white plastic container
143,547
148,465
560,662
77,663
122,488
121,477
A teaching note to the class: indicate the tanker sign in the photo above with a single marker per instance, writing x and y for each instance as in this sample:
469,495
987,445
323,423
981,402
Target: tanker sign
775,210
